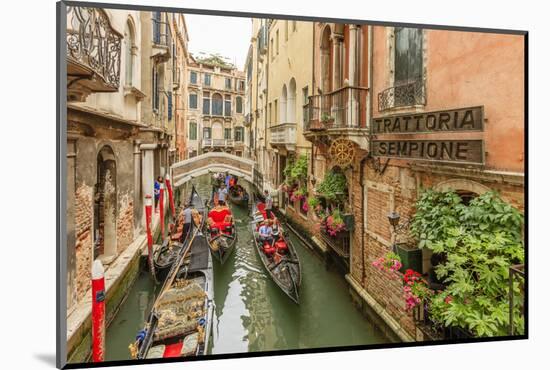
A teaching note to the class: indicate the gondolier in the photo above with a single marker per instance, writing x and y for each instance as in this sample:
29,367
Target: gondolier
222,195
268,203
187,219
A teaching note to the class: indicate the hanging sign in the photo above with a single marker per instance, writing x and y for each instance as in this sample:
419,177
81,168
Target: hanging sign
453,120
465,151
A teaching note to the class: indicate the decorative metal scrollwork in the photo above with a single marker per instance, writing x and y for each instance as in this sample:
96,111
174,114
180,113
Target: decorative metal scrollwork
413,93
92,42
342,152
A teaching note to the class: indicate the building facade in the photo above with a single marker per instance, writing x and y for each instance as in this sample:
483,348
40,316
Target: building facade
215,109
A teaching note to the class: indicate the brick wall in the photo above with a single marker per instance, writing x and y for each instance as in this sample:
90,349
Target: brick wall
83,231
125,222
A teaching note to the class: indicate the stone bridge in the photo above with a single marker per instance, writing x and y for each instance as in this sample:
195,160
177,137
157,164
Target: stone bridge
214,162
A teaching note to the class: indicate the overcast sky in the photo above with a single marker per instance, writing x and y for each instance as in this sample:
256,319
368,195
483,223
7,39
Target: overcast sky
228,36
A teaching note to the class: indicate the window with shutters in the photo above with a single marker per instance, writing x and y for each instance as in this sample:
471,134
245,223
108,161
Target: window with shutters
193,77
217,105
228,83
193,101
169,105
193,130
239,104
207,79
206,103
228,105
239,134
206,133
155,97
227,133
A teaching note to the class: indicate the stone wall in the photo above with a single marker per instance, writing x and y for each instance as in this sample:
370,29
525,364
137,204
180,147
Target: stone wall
84,245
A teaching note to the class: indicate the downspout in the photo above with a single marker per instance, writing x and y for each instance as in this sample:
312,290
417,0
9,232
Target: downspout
267,57
312,90
369,116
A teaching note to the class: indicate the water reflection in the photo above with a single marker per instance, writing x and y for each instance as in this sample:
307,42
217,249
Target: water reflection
251,313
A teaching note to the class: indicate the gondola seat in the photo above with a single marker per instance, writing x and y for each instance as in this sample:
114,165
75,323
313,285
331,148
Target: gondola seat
261,208
219,219
281,246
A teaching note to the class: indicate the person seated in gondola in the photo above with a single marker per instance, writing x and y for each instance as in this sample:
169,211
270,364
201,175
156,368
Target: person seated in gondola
266,233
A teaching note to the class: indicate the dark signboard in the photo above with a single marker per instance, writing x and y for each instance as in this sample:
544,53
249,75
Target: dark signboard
465,151
463,119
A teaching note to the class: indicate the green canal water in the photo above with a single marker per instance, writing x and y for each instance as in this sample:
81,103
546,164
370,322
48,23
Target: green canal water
251,313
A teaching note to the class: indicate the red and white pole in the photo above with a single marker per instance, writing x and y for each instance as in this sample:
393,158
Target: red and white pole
161,207
98,312
170,196
148,214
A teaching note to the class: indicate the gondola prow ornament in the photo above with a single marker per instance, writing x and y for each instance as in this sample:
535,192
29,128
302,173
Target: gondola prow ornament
98,312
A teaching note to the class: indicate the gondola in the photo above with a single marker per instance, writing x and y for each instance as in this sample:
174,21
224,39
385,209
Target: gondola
165,255
280,259
238,195
180,322
221,233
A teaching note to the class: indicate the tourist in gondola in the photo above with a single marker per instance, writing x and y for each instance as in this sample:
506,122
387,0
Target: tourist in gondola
266,232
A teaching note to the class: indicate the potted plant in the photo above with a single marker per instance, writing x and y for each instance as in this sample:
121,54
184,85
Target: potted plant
415,289
327,118
411,256
334,224
390,262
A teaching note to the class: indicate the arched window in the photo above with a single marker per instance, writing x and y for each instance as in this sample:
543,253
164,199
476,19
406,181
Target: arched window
291,102
217,105
282,106
326,61
129,45
228,105
193,130
239,102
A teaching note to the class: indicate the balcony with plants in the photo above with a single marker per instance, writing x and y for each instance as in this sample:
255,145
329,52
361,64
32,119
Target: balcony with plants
331,209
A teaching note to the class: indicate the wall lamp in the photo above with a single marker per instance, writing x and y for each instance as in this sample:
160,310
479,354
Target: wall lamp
394,218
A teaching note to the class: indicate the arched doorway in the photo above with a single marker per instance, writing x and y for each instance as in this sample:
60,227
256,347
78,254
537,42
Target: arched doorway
105,205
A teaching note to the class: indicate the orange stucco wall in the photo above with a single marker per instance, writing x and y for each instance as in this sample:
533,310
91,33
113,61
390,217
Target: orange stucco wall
468,69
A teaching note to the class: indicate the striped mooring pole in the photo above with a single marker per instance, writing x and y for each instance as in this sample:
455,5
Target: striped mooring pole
98,312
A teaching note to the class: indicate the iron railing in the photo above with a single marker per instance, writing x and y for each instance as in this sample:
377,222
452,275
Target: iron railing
342,108
93,43
339,243
516,274
403,95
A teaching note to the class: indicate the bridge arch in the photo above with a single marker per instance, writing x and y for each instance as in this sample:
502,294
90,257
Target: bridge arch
213,162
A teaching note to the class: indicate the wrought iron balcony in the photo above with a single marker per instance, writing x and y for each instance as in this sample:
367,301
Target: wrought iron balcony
404,95
283,134
93,53
342,108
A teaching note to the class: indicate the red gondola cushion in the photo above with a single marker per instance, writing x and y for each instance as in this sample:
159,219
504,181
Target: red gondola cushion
173,350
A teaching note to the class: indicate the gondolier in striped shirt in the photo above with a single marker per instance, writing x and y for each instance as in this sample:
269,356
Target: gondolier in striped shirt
268,203
222,195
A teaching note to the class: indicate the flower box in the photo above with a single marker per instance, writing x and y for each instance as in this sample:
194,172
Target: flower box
411,257
349,221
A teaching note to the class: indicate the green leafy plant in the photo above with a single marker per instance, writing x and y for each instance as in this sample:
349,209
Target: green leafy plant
313,201
325,117
333,187
480,241
296,171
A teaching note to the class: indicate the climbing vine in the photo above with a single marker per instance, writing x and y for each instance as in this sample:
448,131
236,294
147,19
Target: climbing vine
478,242
333,187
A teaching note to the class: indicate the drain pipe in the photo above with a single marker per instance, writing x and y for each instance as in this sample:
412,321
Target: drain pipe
363,161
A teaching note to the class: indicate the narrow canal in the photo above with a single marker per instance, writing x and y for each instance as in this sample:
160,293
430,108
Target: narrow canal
251,313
